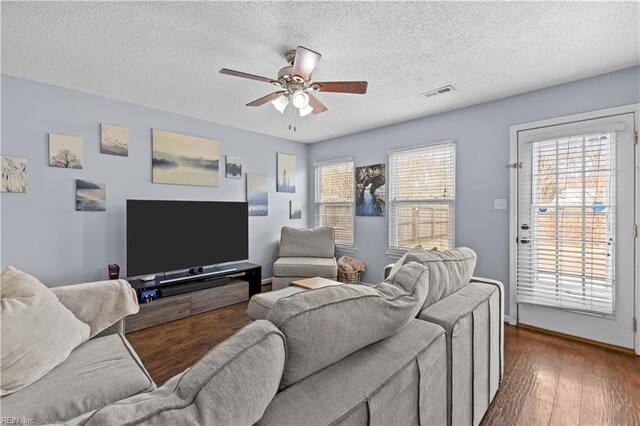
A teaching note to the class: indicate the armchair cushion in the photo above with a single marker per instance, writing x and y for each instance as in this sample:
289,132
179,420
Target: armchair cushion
305,267
38,332
324,325
301,242
99,304
232,384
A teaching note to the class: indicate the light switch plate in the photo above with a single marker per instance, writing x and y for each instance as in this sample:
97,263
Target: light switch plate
500,204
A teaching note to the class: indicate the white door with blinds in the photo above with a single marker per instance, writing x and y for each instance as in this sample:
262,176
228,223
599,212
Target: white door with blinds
575,236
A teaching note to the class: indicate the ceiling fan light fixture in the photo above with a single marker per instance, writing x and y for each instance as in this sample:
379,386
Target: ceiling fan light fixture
305,111
280,103
300,99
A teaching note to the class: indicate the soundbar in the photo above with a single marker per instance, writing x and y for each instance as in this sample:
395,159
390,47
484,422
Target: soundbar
197,277
174,290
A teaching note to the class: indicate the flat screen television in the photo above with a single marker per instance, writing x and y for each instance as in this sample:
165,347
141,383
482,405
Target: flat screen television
165,236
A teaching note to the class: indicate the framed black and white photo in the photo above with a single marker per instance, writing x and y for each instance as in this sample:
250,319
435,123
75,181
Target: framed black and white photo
14,174
65,151
91,196
286,173
295,210
233,167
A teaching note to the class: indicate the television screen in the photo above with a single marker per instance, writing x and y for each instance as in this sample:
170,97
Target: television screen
167,236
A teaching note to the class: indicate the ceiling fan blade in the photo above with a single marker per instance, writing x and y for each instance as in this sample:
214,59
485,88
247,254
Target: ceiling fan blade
263,100
305,62
317,106
357,87
245,75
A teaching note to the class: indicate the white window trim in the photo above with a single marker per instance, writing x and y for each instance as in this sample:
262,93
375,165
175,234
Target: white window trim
345,248
396,253
513,200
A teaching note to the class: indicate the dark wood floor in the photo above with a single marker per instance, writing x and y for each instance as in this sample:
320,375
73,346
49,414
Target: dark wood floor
548,379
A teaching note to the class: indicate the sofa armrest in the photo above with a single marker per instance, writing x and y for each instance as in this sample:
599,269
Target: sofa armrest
116,328
501,290
100,304
232,384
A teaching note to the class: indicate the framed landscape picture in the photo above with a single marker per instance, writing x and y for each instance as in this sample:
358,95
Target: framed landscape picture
233,167
286,173
295,210
370,190
65,151
91,196
14,174
114,140
184,160
257,195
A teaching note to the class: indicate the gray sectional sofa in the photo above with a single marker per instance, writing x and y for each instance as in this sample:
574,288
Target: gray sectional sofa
337,355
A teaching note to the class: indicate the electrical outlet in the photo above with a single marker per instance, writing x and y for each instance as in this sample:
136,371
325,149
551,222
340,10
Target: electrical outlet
500,204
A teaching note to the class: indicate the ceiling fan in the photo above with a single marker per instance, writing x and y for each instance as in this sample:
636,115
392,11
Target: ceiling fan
298,87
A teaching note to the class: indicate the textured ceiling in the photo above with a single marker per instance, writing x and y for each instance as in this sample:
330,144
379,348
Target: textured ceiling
167,55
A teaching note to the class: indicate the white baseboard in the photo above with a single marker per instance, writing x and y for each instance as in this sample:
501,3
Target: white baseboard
266,281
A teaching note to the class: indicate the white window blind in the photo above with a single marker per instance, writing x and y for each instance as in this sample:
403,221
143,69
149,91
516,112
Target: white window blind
334,199
566,232
422,197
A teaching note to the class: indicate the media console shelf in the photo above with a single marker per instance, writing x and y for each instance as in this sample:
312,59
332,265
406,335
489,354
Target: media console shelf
185,295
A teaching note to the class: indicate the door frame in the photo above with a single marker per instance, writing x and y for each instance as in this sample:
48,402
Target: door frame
513,200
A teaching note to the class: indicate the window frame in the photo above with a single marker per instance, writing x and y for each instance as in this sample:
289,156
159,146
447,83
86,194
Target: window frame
395,251
348,247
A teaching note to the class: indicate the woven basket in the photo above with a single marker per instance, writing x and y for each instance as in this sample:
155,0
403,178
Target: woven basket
349,277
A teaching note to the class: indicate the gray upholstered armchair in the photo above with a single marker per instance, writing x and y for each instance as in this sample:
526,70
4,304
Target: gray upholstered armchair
305,253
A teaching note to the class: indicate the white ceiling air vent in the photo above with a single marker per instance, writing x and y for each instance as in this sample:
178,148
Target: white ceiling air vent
440,91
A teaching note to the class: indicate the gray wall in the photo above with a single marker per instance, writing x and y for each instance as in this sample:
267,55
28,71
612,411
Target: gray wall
482,135
44,235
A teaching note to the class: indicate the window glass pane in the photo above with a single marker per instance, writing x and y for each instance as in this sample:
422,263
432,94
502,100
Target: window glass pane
567,256
334,199
422,197
426,224
340,218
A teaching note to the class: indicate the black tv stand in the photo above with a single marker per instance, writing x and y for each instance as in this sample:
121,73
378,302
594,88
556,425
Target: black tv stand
249,272
180,295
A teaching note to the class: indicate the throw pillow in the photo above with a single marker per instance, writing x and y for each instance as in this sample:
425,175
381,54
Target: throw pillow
449,270
324,325
396,267
38,332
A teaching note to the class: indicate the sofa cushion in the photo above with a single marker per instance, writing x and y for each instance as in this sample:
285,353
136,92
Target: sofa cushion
38,332
324,325
398,380
449,270
260,304
98,372
232,384
301,242
305,267
473,320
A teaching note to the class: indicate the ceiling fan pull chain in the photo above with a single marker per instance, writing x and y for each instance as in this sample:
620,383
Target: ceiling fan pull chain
295,117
